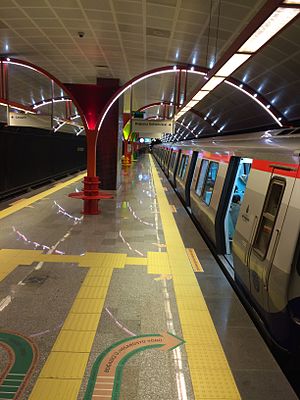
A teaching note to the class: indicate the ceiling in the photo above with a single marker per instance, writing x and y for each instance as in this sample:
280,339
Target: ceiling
123,38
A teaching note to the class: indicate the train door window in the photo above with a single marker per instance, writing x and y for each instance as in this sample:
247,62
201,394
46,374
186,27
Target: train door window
172,161
210,181
201,177
268,218
185,163
180,166
168,157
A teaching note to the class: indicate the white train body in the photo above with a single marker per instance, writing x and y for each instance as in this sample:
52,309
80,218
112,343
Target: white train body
244,191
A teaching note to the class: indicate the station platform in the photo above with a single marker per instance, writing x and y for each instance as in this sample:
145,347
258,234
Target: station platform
129,304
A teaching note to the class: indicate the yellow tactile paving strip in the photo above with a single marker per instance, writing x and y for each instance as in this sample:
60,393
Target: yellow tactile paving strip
18,205
210,373
158,263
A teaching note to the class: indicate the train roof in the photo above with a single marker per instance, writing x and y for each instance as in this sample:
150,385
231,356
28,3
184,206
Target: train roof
283,143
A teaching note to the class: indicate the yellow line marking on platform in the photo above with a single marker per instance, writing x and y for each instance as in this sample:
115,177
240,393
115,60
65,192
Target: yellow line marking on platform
65,365
136,261
210,373
22,203
56,389
197,267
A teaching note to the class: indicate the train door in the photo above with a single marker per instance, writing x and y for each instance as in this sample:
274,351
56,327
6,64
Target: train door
266,238
235,201
174,167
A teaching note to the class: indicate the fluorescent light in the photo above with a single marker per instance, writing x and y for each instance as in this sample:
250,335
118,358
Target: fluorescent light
192,103
185,109
200,95
232,64
292,2
212,83
280,17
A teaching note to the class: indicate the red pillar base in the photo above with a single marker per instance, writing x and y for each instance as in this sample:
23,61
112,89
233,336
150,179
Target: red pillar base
90,195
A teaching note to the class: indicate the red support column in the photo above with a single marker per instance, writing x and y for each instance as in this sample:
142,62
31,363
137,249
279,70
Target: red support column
90,194
92,98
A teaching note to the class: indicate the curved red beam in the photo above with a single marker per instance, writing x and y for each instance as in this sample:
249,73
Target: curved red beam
26,64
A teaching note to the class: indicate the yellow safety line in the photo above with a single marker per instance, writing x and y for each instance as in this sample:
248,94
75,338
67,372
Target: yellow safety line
210,373
18,205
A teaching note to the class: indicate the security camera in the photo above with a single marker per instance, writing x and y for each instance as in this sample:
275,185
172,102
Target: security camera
81,34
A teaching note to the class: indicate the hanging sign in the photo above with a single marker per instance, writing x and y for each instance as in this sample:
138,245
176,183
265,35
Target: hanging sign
152,128
138,114
33,120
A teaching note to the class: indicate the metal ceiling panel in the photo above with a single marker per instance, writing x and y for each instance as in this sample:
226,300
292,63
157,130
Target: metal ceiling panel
129,37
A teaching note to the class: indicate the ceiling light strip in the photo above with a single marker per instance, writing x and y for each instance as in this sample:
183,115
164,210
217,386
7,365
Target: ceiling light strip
273,24
47,102
230,66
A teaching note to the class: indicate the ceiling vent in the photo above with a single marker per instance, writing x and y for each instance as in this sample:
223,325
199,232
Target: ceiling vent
170,3
102,71
162,33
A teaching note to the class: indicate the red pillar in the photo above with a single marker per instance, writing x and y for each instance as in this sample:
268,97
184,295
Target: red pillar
92,100
109,143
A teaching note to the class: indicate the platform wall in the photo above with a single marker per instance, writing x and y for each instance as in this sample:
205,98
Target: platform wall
29,157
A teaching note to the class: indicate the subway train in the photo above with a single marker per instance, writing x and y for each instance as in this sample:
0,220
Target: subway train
244,193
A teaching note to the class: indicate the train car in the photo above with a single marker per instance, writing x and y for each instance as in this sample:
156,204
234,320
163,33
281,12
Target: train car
244,192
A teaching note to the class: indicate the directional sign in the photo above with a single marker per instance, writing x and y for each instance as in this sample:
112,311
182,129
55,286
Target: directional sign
33,120
22,360
106,376
152,128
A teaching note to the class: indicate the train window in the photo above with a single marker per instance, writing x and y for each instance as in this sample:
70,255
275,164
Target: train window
169,157
180,166
210,180
183,165
172,161
268,218
201,176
